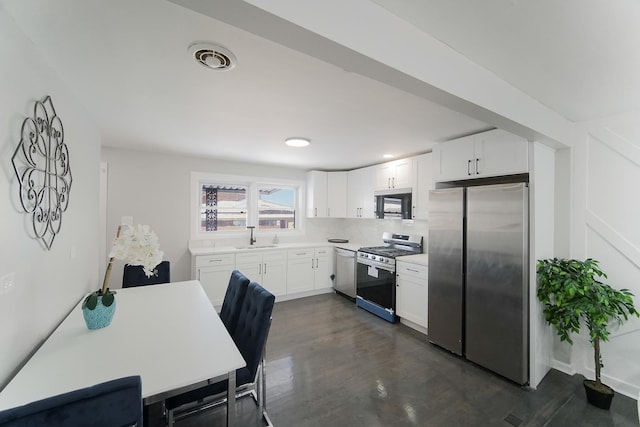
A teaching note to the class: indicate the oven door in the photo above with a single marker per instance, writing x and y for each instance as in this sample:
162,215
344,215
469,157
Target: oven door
376,284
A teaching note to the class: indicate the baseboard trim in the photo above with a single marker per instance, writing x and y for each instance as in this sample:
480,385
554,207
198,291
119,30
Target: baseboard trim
620,386
314,292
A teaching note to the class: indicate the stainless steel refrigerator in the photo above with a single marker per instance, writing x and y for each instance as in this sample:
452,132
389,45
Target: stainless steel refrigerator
479,275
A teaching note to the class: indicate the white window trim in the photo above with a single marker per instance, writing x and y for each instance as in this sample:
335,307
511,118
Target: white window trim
199,178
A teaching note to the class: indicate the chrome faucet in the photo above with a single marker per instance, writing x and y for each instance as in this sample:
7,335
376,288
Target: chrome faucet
251,239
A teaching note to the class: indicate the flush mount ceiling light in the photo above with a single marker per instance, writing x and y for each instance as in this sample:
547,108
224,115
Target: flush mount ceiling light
387,156
214,57
297,142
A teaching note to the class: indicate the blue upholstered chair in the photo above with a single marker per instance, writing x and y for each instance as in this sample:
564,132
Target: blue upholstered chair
250,336
112,403
133,275
233,299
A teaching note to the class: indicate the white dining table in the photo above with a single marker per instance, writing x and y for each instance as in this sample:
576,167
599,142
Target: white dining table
169,334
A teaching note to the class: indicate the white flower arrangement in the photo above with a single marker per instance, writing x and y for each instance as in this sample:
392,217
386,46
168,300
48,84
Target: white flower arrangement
138,246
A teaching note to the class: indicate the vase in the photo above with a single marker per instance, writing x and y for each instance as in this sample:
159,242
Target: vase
599,398
99,317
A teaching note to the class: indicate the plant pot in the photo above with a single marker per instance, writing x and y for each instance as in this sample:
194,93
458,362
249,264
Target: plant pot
598,396
100,316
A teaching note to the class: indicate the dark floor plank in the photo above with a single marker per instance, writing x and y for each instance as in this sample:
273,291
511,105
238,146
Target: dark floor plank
331,363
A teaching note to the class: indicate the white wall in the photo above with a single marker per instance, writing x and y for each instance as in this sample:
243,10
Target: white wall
154,188
46,284
606,226
542,227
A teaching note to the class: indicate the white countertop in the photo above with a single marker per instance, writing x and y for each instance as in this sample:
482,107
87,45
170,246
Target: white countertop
348,246
421,259
210,250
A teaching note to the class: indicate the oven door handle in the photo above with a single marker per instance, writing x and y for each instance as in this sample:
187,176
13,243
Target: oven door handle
389,268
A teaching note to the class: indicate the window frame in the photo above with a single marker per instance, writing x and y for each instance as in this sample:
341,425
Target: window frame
252,183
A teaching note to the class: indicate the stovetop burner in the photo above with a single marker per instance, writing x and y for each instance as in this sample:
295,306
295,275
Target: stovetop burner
387,251
395,245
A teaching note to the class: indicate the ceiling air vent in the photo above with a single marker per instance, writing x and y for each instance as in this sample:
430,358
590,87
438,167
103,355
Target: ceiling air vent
213,57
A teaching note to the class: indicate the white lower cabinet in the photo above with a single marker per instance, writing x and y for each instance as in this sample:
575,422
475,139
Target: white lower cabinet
282,272
268,268
300,270
411,292
323,269
309,269
213,272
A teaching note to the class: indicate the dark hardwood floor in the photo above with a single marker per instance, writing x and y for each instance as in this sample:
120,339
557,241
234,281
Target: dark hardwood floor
332,364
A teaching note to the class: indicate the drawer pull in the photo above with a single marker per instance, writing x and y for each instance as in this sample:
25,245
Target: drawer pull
411,269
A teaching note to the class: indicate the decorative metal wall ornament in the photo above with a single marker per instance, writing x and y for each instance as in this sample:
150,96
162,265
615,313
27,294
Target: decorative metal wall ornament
41,163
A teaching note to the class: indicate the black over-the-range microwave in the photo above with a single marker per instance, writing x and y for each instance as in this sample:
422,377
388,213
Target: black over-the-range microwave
393,206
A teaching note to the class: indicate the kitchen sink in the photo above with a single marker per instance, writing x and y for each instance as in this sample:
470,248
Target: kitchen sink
256,247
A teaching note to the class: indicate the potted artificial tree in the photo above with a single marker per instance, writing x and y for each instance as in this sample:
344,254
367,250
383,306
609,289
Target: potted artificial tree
570,291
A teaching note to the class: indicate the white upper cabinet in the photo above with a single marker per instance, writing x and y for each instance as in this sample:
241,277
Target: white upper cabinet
360,199
501,153
326,194
394,175
452,159
487,154
423,183
316,194
337,194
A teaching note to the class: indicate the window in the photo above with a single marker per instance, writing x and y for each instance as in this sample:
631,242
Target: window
224,205
276,208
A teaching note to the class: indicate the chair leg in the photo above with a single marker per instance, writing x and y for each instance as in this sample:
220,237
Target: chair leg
262,394
169,418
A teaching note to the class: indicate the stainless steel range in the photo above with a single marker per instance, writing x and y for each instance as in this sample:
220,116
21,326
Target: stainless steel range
376,273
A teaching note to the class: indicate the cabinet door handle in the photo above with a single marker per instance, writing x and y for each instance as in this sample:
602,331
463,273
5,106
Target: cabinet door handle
328,211
389,182
215,260
393,182
477,168
469,167
315,211
265,268
259,268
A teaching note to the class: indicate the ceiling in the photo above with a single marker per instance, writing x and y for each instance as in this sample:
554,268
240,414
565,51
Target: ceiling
580,58
128,63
